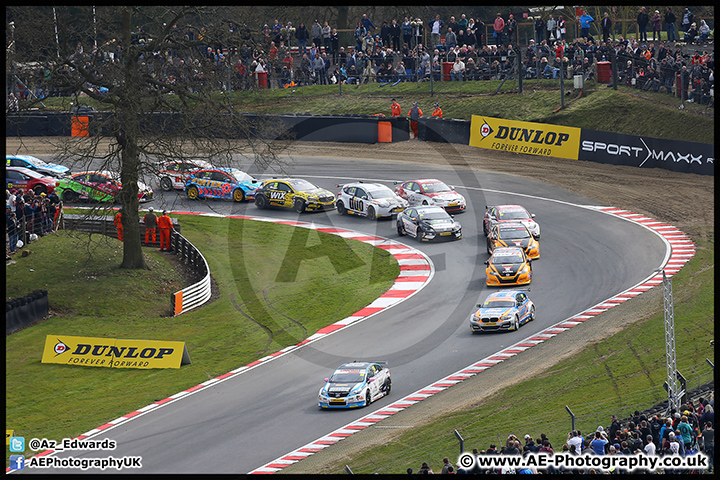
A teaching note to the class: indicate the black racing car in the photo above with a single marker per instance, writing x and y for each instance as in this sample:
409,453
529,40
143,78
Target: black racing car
427,223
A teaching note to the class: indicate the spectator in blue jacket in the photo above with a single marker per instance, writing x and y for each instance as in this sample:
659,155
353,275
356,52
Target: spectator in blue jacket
585,21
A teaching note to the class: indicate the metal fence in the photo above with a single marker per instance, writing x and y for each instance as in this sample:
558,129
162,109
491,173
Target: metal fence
186,299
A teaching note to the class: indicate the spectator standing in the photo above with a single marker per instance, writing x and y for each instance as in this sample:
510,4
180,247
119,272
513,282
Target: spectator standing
561,29
450,39
327,38
395,110
367,23
606,25
446,465
119,225
414,113
670,24
656,24
498,28
150,220
385,33
316,32
550,28
685,431
435,30
418,30
407,32
708,436
642,20
585,21
166,226
302,35
599,443
511,28
539,29
335,45
463,23
687,19
395,32
11,227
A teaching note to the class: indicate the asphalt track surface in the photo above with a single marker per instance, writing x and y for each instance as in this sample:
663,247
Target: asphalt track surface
238,425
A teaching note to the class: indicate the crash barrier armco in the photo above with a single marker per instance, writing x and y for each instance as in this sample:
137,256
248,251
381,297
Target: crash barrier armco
183,300
21,312
484,132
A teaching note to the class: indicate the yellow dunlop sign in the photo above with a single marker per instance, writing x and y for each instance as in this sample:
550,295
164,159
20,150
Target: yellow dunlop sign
525,137
114,353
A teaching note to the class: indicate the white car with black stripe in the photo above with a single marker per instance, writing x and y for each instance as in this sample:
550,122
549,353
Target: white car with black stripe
371,200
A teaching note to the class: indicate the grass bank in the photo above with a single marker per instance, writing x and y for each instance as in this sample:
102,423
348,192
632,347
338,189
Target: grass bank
257,312
628,111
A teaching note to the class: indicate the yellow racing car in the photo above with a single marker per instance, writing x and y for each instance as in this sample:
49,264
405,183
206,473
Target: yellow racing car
294,193
513,235
508,266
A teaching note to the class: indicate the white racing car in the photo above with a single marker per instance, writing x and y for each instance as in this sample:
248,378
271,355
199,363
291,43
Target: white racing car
430,191
355,384
371,200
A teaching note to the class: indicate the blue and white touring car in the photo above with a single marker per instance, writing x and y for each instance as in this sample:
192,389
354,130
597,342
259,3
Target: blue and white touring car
355,384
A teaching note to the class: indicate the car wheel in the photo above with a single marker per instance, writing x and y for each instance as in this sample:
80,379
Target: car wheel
388,386
238,195
371,213
299,206
489,248
166,184
516,323
532,314
485,229
193,193
340,207
40,189
400,229
261,202
368,399
425,202
69,196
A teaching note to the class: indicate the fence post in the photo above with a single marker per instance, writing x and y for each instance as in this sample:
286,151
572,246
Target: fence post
572,417
460,438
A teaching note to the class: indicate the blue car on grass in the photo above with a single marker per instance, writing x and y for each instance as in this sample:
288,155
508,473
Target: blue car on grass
225,183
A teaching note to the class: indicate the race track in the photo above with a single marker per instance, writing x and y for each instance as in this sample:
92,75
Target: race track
244,422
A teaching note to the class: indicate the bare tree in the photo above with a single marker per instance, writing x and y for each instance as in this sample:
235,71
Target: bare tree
162,76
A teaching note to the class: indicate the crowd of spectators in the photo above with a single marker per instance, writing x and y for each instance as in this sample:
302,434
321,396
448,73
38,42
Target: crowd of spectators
284,55
28,217
681,433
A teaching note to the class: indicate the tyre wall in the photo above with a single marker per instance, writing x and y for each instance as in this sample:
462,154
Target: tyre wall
23,311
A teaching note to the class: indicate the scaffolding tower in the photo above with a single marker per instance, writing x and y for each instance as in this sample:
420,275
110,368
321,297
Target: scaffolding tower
675,392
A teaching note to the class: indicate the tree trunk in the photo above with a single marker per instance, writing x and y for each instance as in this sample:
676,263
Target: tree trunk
127,133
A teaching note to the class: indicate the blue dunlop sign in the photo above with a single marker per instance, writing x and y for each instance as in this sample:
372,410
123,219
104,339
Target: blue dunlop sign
647,152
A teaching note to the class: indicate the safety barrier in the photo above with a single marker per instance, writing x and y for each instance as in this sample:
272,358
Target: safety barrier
23,311
186,299
197,293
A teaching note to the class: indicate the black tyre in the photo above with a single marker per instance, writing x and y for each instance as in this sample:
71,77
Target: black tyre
388,386
532,313
371,213
516,323
261,202
368,400
299,206
489,248
340,207
40,189
68,196
401,229
166,184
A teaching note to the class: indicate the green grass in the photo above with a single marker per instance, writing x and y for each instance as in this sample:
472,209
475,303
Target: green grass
617,375
628,111
92,297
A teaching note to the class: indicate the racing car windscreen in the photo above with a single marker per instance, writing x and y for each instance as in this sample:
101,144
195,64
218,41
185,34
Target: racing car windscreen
348,376
499,304
435,187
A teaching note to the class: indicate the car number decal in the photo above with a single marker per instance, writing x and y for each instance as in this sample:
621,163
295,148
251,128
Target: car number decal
356,204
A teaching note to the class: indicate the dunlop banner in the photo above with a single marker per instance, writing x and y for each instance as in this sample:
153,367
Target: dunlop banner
525,137
114,353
